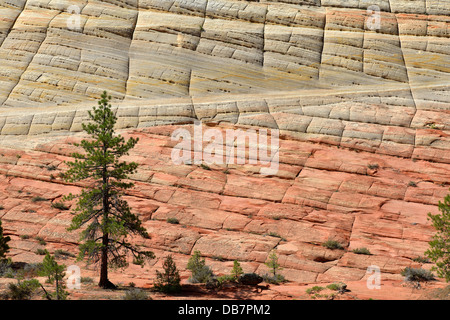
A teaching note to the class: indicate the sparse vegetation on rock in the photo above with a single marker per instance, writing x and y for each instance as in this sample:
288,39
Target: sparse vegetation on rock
417,274
361,251
333,245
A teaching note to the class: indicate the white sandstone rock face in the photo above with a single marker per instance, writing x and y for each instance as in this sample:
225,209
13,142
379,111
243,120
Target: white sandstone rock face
375,72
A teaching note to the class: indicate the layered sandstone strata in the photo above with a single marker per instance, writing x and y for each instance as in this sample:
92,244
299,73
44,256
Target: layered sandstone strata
229,212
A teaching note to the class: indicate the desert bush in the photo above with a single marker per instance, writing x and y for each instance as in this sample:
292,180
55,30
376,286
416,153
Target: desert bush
136,294
60,206
417,274
41,252
6,270
23,290
274,279
225,278
4,247
41,241
373,166
173,220
332,244
315,289
37,199
361,251
337,286
86,280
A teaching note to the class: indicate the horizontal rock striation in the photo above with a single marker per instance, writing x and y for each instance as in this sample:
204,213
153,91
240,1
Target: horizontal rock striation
67,53
229,212
360,101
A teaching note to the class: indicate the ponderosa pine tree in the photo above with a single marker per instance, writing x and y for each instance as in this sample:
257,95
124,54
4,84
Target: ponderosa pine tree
106,219
439,251
169,280
4,247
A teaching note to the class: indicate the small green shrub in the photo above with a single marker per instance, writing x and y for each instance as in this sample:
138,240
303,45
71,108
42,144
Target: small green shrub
38,198
60,206
86,280
417,274
41,241
6,270
135,294
337,286
237,271
2,207
274,279
361,251
200,272
332,244
315,289
412,184
225,278
373,166
41,252
23,290
24,236
173,220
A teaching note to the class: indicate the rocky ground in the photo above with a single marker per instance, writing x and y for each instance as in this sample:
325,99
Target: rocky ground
232,212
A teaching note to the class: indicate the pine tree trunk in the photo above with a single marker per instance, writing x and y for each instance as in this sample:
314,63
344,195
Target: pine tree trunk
57,289
104,282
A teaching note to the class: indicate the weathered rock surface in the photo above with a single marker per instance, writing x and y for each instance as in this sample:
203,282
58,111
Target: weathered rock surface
361,199
363,115
56,53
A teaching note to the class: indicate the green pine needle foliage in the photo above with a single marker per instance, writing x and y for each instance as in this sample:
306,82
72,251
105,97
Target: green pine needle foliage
105,218
439,251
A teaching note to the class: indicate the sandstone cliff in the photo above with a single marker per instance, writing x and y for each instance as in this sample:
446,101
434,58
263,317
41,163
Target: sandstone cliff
363,116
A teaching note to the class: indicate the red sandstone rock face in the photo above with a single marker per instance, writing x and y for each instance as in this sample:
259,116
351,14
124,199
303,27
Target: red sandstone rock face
321,192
